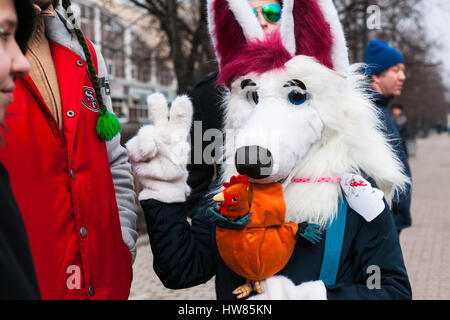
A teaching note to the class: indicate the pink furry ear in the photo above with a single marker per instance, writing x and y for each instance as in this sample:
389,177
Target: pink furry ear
312,28
308,27
232,24
312,32
227,32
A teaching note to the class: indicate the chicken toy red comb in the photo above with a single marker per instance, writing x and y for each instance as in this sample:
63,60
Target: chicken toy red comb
243,179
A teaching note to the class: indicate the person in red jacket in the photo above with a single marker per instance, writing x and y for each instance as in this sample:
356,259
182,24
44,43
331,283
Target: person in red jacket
74,189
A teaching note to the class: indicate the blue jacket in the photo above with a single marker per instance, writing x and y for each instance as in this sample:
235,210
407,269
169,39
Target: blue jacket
186,255
402,201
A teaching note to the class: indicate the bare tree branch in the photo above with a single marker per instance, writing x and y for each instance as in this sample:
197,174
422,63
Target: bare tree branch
184,24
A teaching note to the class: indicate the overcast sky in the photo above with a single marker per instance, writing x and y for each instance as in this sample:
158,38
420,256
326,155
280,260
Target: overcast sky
437,17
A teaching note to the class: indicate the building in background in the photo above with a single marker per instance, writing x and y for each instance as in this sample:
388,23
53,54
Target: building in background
135,53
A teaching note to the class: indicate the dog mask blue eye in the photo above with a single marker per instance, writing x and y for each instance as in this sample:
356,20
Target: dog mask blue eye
296,97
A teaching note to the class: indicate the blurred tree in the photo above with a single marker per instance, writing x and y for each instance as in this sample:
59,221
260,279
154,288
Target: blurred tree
185,25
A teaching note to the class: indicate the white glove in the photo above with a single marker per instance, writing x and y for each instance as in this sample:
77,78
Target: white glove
282,288
159,153
361,197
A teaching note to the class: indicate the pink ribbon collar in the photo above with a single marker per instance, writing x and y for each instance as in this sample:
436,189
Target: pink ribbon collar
310,180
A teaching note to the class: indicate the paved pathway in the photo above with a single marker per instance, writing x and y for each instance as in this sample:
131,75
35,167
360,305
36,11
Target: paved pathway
425,245
147,286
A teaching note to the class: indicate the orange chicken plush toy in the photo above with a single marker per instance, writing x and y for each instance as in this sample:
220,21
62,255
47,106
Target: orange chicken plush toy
256,243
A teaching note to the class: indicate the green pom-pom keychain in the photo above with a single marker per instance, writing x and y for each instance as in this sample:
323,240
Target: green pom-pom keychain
107,125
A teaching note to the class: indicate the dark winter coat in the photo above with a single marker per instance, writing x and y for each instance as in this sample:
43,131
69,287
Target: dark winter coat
186,255
403,129
402,202
206,100
17,275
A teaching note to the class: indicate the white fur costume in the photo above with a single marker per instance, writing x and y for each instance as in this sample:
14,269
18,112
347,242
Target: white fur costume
335,132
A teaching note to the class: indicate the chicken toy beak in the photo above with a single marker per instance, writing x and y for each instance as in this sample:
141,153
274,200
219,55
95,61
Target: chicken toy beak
219,197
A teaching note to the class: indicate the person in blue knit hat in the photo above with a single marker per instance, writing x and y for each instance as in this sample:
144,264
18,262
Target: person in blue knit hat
386,68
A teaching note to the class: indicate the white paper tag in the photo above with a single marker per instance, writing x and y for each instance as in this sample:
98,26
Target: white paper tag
361,197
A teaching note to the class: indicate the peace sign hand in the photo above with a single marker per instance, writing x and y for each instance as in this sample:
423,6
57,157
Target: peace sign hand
159,153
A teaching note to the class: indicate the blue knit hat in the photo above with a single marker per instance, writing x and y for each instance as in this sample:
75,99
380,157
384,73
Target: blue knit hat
380,57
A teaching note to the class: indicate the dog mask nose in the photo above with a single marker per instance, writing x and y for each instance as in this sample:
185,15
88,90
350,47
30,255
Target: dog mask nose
254,161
